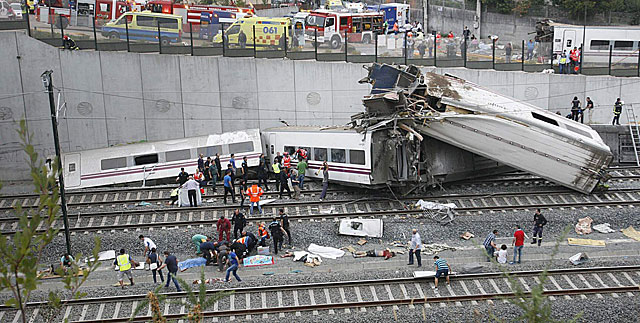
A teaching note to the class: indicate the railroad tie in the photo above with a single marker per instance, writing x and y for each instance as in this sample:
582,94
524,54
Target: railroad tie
375,297
481,289
296,301
390,295
403,288
586,282
279,294
568,280
215,309
555,283
116,312
343,299
544,288
34,315
100,311
597,277
247,304
16,319
133,308
328,300
232,306
263,298
312,300
359,298
466,291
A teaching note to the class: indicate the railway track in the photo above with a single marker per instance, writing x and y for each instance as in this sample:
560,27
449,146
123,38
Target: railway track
158,195
358,296
381,207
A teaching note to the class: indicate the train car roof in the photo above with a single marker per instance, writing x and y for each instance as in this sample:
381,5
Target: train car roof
333,129
176,144
557,24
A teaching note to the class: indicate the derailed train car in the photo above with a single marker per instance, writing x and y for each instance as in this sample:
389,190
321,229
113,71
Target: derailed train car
486,123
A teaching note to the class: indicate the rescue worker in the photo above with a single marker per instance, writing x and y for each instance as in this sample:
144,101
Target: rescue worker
171,263
254,193
276,234
301,154
197,240
263,234
242,188
276,171
222,250
183,177
539,221
201,163
617,111
252,240
241,246
242,39
228,187
223,226
575,108
208,250
245,168
278,158
218,165
173,197
284,182
574,57
284,222
69,43
124,262
213,174
562,63
239,222
286,161
262,172
148,245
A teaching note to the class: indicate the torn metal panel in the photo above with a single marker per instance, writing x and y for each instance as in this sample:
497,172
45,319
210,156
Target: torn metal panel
485,123
361,227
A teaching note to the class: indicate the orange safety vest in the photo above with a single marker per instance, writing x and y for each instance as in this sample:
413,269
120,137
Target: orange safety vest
263,232
574,55
242,240
254,193
287,161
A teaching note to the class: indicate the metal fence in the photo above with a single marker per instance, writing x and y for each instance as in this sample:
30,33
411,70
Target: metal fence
362,47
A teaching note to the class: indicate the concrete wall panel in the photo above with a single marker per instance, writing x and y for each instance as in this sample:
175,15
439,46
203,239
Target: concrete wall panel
347,92
200,95
562,89
531,88
238,93
122,86
314,98
276,92
84,111
603,91
162,97
499,82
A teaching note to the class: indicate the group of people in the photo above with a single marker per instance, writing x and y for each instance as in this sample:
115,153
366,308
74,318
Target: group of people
500,255
569,64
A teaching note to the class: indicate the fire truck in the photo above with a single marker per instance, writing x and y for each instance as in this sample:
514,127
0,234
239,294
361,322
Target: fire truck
103,11
191,14
331,27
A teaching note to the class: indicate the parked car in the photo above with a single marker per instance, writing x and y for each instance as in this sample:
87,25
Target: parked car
17,9
6,12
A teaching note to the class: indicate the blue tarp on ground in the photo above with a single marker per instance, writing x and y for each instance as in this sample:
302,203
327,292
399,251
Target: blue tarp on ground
189,263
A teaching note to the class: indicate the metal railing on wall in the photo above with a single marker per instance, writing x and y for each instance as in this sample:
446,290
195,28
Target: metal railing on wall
358,46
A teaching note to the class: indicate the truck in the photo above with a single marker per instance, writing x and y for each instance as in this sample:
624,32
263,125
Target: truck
331,27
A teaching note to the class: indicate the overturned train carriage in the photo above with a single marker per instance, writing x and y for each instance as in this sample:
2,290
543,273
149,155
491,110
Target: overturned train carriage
486,123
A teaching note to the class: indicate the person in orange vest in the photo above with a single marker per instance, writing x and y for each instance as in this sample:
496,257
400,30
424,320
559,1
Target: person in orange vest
254,193
286,161
263,235
395,28
573,56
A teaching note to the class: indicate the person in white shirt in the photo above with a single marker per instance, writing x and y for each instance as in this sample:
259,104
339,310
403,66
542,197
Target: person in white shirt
192,188
148,245
502,254
416,246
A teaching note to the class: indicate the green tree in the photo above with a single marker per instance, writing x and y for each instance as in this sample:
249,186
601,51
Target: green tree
22,252
198,301
576,8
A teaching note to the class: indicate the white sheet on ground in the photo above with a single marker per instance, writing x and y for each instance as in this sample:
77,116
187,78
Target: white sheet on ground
426,273
603,228
426,205
183,197
327,252
263,202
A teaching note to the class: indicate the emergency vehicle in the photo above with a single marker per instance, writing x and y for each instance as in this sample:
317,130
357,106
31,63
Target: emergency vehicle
393,12
192,14
331,27
103,10
269,32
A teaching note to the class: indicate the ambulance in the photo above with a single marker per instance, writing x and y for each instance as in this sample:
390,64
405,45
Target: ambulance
269,32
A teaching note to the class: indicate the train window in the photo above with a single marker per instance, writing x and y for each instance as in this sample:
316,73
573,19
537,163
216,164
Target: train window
175,155
241,147
112,163
290,149
146,159
338,156
72,167
211,150
308,149
320,154
356,157
599,45
544,118
623,45
578,131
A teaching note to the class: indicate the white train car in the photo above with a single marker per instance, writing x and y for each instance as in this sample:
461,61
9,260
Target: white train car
156,160
624,42
377,157
347,152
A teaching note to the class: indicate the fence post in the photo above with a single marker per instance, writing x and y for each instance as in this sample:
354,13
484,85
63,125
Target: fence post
522,58
551,57
95,35
315,44
493,54
465,51
62,30
28,20
435,50
286,41
126,26
638,64
610,53
51,24
224,40
159,39
254,41
581,56
405,48
346,45
191,37
375,34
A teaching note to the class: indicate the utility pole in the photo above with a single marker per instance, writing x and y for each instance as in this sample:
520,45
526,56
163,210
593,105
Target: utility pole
425,16
48,86
478,21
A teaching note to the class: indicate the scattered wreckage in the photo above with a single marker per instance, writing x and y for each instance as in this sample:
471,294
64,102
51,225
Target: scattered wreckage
415,106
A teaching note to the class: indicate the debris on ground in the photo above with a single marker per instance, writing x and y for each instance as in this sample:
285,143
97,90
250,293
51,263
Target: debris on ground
603,228
467,235
257,260
631,233
579,258
143,203
309,259
361,242
399,244
440,212
361,227
349,249
436,248
586,242
326,252
584,225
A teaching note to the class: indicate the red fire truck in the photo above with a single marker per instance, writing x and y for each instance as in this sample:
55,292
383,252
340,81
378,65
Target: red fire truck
104,11
192,13
331,27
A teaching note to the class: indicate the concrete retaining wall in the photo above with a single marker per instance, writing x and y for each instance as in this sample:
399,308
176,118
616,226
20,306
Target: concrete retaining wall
118,97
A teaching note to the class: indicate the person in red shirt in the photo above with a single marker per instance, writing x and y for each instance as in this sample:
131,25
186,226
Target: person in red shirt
518,243
223,225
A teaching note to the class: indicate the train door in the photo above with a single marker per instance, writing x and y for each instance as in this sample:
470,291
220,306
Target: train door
569,40
71,170
272,149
